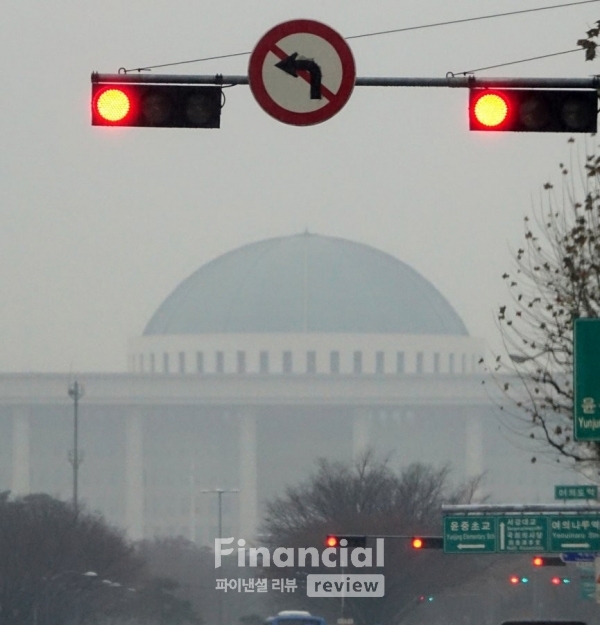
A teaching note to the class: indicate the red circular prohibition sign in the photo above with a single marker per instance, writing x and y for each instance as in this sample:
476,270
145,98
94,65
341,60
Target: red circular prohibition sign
268,43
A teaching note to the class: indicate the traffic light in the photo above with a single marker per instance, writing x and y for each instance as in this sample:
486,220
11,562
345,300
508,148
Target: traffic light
547,561
156,105
558,581
427,542
518,579
351,541
424,598
533,110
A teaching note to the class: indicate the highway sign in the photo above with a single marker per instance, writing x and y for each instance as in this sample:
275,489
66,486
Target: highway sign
576,491
302,72
522,533
469,534
586,379
574,532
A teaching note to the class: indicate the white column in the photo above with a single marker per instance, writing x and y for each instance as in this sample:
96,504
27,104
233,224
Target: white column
361,427
248,475
473,445
20,451
134,475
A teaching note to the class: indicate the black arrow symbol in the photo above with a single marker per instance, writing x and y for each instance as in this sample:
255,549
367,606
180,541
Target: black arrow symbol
292,64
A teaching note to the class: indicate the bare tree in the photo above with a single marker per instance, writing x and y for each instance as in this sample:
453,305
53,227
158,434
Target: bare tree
369,498
555,280
53,560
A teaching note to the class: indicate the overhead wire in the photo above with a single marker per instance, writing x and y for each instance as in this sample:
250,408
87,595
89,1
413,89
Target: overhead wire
401,30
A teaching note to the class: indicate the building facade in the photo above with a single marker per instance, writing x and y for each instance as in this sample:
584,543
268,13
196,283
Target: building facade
261,362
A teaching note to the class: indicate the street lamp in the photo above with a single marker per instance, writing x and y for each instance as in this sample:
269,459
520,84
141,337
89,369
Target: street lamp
75,459
220,492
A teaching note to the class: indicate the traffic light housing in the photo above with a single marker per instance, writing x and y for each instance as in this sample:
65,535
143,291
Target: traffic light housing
352,540
427,542
156,105
547,561
533,110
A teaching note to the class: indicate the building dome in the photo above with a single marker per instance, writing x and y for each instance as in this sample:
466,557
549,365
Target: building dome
305,283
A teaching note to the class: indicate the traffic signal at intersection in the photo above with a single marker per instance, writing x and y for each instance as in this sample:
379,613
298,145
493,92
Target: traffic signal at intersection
547,561
156,105
533,110
515,580
427,542
351,540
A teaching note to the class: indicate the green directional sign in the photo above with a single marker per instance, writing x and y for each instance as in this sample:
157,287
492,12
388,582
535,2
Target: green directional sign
577,533
522,533
469,534
574,532
586,379
576,492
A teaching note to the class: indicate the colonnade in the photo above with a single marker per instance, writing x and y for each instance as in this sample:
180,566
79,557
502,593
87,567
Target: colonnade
247,421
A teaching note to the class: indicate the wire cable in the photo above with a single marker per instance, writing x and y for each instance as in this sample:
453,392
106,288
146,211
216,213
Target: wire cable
388,32
533,58
471,19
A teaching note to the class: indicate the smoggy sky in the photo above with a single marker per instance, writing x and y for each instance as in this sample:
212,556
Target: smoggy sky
100,225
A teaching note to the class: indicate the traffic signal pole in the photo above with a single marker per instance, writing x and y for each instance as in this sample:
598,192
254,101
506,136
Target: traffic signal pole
451,80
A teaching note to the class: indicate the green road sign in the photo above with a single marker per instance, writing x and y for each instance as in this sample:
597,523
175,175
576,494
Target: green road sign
587,588
469,534
586,379
522,533
576,492
574,532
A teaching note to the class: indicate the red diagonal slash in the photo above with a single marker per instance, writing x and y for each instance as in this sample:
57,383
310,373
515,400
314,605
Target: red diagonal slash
304,74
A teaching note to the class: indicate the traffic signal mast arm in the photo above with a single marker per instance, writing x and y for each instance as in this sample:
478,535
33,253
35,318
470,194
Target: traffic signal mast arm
466,82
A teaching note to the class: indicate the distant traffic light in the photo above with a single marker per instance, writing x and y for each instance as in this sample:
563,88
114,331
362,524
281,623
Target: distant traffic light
518,579
557,581
533,110
427,542
424,598
547,561
349,540
156,105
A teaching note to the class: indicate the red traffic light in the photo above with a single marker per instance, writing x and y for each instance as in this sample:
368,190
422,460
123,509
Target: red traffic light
514,579
548,561
112,105
427,542
346,540
533,110
155,105
491,109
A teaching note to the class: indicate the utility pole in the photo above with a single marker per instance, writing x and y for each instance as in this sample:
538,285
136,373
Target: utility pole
75,458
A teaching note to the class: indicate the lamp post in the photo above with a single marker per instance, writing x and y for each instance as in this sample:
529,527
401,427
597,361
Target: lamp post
76,393
220,492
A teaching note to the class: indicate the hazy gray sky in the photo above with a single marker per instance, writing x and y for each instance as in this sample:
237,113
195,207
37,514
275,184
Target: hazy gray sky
99,225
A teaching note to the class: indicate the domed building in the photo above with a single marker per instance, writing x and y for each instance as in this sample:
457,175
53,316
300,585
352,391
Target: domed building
305,304
261,362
